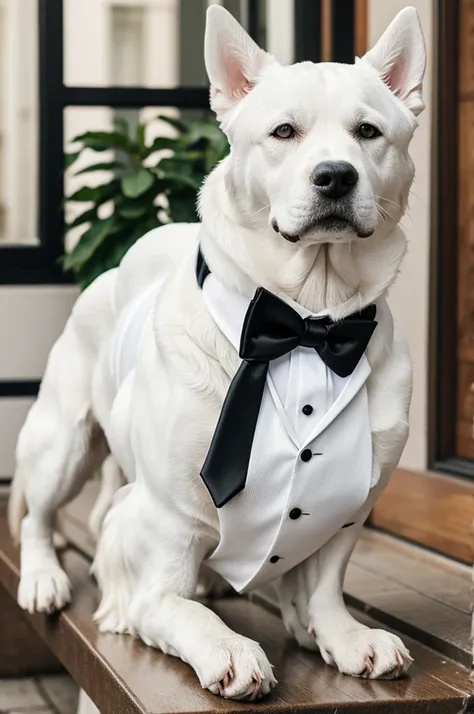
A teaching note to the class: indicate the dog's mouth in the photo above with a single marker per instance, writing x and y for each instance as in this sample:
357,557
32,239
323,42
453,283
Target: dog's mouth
332,223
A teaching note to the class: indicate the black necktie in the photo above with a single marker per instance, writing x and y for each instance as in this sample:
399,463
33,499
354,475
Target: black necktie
272,329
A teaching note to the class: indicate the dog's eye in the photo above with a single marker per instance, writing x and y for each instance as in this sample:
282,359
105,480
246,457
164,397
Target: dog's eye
368,131
284,131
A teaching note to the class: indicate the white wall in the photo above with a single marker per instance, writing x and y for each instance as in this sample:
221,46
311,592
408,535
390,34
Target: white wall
410,296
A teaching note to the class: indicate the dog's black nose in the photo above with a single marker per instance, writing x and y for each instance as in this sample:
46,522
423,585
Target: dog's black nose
334,179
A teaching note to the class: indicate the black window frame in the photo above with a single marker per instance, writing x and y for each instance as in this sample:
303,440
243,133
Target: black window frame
308,38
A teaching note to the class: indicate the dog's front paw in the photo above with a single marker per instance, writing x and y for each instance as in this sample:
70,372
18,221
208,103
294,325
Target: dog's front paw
45,590
236,668
371,654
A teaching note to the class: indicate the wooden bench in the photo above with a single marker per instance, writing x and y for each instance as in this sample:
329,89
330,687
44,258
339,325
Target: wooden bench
123,676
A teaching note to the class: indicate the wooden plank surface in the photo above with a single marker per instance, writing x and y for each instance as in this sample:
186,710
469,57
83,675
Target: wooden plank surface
123,675
431,509
415,568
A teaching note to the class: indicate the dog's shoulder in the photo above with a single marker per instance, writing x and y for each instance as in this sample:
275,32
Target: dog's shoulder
152,259
388,351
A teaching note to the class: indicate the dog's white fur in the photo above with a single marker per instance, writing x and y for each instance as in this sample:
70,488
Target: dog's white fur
161,526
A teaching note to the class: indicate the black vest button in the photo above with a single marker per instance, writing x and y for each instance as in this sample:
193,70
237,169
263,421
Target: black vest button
274,559
307,409
306,455
295,513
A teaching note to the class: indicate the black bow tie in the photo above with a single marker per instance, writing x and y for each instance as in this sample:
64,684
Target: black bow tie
272,329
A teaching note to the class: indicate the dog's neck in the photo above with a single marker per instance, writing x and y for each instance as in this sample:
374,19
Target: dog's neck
341,278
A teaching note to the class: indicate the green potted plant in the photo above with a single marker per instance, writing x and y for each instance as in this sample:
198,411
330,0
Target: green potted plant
152,183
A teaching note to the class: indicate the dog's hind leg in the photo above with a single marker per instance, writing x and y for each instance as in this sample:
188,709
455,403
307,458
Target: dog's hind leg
112,479
58,449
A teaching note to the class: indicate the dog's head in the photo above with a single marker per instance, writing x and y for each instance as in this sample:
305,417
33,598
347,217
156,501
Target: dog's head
318,151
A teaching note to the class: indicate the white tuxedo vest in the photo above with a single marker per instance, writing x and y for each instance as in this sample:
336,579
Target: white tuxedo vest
310,468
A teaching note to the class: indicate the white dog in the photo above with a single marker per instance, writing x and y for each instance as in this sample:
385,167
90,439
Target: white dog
306,206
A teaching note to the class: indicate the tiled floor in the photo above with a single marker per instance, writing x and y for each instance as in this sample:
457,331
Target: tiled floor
41,695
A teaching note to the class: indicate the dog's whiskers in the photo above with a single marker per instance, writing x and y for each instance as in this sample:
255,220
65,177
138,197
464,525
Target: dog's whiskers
412,193
384,214
264,208
387,200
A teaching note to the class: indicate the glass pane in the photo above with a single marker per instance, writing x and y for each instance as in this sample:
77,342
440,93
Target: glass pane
18,121
149,43
124,43
141,168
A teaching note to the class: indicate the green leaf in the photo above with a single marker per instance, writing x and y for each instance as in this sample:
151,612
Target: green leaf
205,130
86,193
88,243
132,211
181,179
86,217
213,156
121,126
105,166
98,194
177,124
175,164
160,143
191,156
69,159
182,209
112,250
138,182
103,140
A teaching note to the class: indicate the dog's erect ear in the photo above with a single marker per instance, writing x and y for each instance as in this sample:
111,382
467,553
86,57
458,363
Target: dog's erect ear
400,58
234,62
